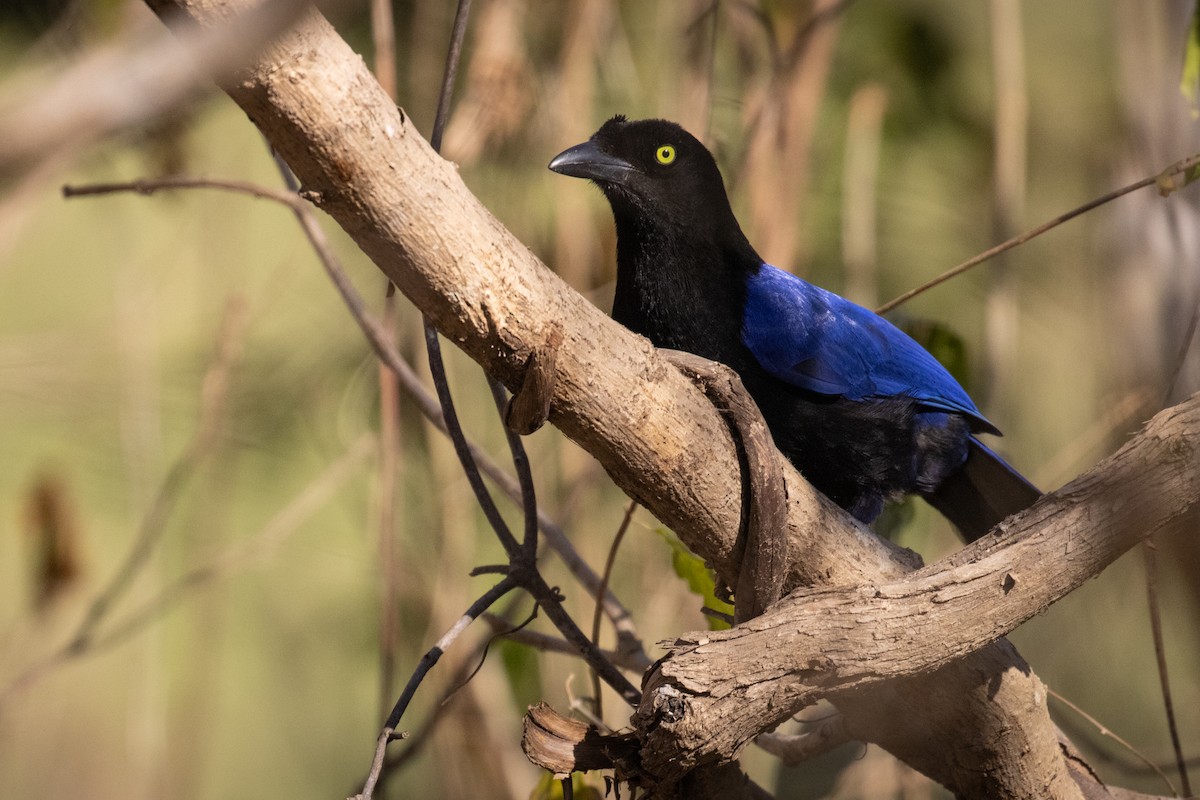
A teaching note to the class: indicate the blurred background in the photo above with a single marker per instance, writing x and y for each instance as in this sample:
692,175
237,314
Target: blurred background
189,414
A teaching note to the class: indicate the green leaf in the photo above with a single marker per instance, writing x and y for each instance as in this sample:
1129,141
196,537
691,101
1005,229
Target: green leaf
945,345
523,669
550,788
895,517
700,579
1189,83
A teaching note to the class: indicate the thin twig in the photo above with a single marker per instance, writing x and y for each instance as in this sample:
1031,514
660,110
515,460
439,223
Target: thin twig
1150,561
256,547
635,662
551,602
524,474
1104,731
385,350
604,579
453,56
433,345
421,736
383,36
387,481
213,391
431,657
148,187
437,368
487,645
1176,168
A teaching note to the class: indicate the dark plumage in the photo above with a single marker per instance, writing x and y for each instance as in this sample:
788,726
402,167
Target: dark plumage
863,411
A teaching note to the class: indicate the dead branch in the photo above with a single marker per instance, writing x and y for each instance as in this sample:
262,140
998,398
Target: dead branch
978,725
564,745
375,332
838,642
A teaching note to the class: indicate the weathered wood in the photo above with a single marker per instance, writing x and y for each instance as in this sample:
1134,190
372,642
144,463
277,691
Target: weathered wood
978,725
838,642
563,745
762,546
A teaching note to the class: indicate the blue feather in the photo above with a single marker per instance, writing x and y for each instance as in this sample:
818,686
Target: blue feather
818,341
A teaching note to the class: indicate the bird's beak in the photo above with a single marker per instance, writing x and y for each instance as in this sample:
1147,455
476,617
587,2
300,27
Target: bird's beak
589,161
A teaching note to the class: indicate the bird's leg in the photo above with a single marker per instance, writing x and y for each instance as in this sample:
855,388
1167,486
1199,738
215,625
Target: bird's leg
764,506
529,407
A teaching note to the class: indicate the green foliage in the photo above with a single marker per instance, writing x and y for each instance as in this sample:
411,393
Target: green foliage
523,671
895,518
945,343
550,788
1189,83
699,578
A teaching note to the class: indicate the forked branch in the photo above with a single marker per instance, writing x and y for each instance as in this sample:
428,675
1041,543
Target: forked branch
978,725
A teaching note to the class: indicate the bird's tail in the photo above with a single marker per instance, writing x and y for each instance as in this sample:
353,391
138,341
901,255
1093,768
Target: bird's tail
983,492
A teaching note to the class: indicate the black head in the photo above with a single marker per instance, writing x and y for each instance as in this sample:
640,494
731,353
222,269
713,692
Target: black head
681,256
652,169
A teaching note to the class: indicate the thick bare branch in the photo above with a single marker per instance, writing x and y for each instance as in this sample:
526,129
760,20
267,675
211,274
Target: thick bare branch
979,725
837,642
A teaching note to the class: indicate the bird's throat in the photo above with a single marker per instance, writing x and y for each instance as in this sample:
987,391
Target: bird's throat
681,290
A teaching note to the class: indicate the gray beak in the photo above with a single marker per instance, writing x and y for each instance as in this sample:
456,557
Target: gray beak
589,161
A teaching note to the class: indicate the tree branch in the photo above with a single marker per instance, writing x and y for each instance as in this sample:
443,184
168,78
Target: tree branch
716,690
374,331
978,726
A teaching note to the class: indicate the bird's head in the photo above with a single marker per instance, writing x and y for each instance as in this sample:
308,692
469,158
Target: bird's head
652,169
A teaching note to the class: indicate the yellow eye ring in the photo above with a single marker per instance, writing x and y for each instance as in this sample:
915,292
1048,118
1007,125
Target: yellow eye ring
665,154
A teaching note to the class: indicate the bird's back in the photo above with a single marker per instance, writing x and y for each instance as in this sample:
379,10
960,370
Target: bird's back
817,340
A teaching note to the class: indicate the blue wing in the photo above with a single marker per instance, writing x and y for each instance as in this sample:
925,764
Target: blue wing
819,341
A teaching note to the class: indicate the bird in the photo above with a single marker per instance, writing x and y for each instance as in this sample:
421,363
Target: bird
862,411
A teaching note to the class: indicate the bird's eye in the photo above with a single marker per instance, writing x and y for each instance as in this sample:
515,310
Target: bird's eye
665,154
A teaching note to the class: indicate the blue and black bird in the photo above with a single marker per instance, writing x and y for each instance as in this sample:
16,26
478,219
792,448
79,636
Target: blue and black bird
863,412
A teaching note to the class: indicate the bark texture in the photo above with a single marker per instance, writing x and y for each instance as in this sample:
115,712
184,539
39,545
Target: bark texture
840,642
977,725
